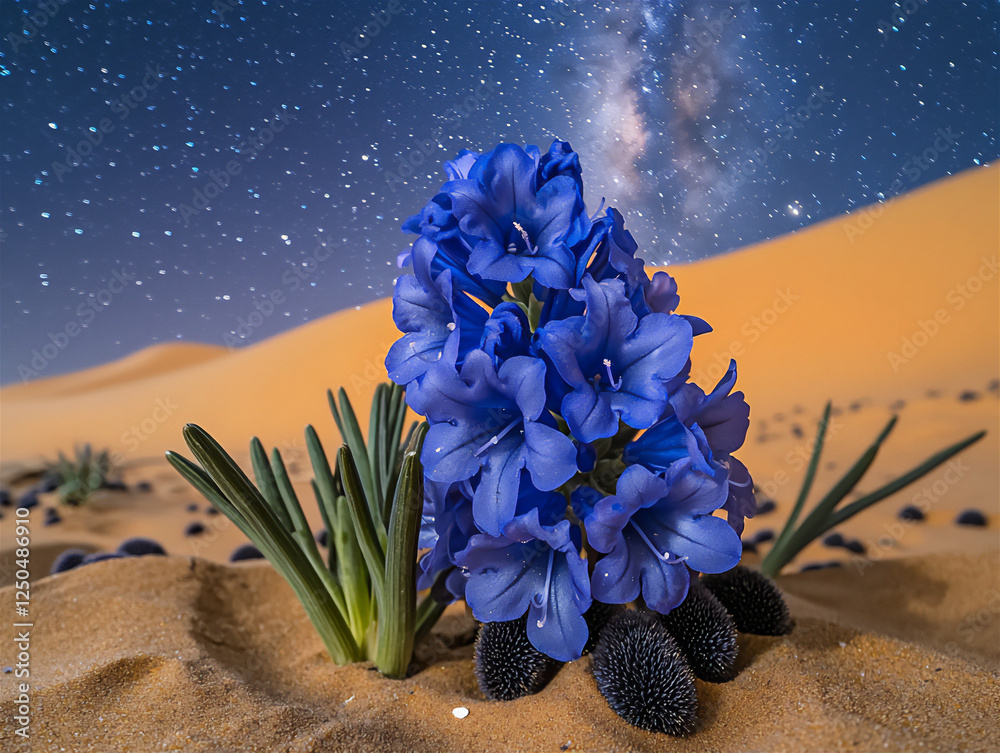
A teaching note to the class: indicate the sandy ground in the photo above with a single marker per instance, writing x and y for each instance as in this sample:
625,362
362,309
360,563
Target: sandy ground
892,310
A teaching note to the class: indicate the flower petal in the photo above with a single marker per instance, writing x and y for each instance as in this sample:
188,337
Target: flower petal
557,628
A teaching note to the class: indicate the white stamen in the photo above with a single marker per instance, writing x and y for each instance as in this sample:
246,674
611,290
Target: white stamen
497,438
543,600
665,556
524,235
615,386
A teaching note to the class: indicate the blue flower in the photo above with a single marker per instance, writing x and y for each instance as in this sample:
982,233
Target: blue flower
667,442
741,503
535,568
723,415
430,258
723,418
519,227
614,364
446,528
506,333
436,220
652,530
609,252
492,423
659,295
560,160
440,325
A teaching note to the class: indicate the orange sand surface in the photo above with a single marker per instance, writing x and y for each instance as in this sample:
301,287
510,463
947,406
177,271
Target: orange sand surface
888,310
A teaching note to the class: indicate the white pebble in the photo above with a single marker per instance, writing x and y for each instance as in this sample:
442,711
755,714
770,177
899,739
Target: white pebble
461,712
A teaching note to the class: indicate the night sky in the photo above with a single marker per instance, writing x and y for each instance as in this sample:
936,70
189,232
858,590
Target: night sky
233,139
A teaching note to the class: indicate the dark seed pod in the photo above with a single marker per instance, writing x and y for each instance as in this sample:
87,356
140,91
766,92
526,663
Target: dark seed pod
752,599
597,618
911,512
855,546
765,507
833,539
642,674
139,546
245,552
68,560
971,518
507,665
28,500
705,633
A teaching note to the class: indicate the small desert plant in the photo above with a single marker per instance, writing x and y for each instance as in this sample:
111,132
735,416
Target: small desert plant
77,479
825,514
362,599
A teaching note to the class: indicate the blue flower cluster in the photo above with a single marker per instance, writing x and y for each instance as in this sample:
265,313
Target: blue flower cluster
569,457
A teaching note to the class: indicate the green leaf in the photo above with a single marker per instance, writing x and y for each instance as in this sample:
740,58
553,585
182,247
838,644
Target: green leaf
351,433
353,572
397,612
807,483
331,545
364,527
825,507
265,480
903,481
324,479
275,542
301,532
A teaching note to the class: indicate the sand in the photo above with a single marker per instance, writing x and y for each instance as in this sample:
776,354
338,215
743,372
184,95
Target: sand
185,654
898,649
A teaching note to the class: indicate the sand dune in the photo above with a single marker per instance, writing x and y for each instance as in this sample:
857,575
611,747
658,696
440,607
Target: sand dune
155,360
809,316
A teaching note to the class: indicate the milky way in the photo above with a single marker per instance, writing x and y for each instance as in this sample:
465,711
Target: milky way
223,172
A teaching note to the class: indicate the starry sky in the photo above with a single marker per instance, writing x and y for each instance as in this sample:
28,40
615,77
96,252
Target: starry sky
172,167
